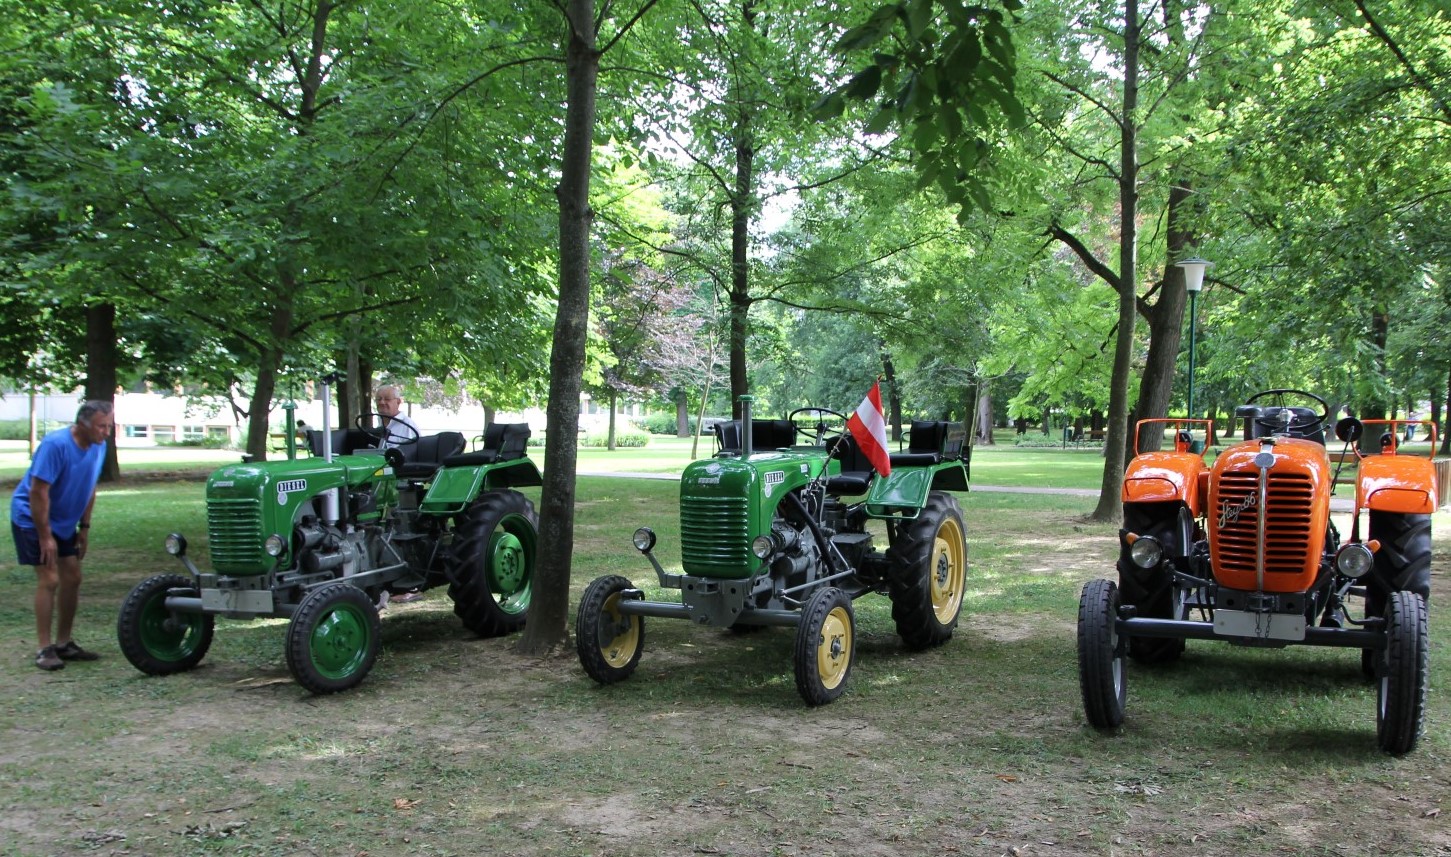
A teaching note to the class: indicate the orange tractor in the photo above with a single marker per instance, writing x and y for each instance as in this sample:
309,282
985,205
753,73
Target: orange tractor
1244,550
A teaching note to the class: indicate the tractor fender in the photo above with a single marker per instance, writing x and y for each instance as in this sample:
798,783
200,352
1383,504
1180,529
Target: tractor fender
1159,477
1397,483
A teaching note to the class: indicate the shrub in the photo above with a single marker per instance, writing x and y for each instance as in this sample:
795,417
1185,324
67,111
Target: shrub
20,429
623,438
661,423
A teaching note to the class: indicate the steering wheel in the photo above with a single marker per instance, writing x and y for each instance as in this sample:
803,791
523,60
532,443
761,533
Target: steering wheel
1297,422
822,435
381,433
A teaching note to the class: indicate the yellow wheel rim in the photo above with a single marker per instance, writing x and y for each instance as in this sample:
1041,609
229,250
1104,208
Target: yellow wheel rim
619,649
833,651
949,570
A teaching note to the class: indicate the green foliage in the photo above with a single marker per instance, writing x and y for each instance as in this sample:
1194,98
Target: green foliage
661,422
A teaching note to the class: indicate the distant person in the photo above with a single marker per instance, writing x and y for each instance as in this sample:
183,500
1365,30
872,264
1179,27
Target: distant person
50,519
400,429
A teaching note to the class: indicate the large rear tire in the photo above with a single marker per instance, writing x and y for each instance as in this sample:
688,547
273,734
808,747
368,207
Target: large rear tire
825,646
608,642
1173,526
333,639
491,565
1100,663
1402,563
929,573
1401,696
159,641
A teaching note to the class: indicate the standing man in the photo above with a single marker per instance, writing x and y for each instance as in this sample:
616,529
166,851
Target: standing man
400,429
50,518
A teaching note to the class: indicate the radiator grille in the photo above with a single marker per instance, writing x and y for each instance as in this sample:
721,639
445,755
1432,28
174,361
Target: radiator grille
1287,522
234,527
715,536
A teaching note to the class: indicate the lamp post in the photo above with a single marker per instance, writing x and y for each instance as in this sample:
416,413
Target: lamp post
1194,268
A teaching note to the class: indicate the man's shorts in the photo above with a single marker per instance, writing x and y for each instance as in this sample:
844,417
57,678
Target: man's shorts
27,545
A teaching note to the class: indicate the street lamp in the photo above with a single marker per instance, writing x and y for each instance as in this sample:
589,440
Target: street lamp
1194,268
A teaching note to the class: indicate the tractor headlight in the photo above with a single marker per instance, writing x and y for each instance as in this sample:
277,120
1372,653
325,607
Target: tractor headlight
644,539
1146,552
762,547
176,544
274,545
1354,560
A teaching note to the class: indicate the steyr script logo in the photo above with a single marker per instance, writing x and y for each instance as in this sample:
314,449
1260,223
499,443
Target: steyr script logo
1230,513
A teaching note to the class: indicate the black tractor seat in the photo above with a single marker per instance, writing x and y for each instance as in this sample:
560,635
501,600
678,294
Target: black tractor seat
423,459
501,442
930,442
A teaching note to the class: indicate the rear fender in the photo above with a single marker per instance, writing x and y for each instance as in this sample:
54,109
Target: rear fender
903,493
1161,477
1397,483
454,488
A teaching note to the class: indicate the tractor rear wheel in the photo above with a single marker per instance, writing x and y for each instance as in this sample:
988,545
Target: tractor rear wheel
491,565
1100,662
825,646
1173,526
1403,562
159,641
333,640
1401,696
929,573
608,642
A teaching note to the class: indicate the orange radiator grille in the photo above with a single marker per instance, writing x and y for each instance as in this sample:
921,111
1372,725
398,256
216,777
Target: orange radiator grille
1287,522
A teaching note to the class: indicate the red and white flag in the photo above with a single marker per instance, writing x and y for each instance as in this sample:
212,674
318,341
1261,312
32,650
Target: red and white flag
869,429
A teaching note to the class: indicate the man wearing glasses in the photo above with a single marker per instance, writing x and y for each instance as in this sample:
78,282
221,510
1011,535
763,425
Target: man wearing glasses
401,430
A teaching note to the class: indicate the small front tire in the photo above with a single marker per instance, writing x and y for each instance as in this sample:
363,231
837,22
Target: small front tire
159,641
825,646
1100,659
608,642
333,640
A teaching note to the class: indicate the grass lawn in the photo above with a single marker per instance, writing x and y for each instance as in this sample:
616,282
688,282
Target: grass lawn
459,746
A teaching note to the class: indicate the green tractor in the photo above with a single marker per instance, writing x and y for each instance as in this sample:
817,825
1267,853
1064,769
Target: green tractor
774,531
323,540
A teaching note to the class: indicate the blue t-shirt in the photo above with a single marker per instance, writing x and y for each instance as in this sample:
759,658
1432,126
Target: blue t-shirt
72,473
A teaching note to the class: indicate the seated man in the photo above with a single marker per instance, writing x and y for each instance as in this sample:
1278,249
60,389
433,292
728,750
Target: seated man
400,429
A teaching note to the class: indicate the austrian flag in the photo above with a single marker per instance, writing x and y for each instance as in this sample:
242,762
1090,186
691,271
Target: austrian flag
869,429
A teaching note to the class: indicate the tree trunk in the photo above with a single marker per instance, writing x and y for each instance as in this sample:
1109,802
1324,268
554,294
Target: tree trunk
549,610
101,358
1166,324
1446,429
894,398
1110,504
984,416
610,435
682,415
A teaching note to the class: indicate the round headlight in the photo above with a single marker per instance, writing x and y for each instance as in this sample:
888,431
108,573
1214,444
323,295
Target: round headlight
176,544
274,545
762,547
644,539
1146,552
1354,560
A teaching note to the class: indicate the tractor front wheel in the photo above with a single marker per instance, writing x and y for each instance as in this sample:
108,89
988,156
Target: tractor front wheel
825,646
491,565
929,573
159,641
333,639
609,643
1100,659
1401,698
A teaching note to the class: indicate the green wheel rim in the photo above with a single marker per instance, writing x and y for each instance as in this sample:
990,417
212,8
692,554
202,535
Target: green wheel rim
167,637
511,564
339,642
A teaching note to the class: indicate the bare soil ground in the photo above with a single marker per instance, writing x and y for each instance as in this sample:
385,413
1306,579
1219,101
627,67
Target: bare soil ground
458,746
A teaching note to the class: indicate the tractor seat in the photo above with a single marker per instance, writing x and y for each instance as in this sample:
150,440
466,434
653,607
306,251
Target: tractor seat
422,459
502,442
929,442
856,471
